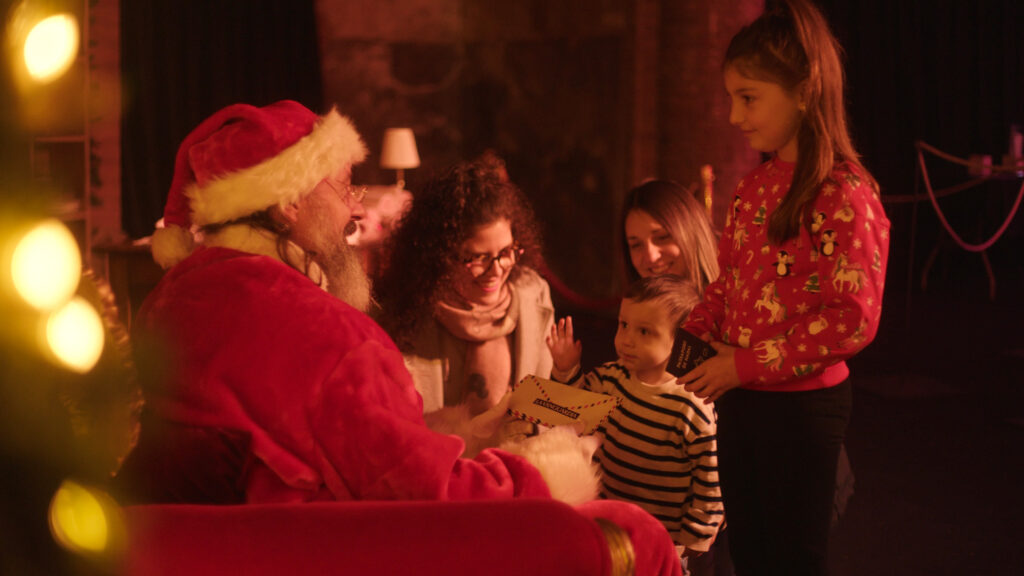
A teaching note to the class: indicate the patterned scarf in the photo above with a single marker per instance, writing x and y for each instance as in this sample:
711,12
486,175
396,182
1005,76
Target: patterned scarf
484,329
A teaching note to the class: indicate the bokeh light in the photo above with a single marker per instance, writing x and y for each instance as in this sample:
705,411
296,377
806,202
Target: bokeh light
46,265
82,519
51,47
74,334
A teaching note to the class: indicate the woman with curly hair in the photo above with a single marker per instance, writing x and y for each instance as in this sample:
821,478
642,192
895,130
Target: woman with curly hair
460,295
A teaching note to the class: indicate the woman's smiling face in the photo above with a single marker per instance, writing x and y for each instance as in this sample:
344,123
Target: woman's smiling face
482,285
652,250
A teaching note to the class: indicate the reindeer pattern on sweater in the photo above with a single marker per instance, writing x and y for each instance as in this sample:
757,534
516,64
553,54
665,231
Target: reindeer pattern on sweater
798,310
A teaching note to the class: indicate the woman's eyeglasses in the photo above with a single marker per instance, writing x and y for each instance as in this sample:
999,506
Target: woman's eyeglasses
506,258
354,193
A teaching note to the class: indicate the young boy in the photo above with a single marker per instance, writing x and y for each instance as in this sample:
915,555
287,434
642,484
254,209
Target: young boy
658,446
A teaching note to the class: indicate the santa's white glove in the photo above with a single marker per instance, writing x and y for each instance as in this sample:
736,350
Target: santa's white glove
565,460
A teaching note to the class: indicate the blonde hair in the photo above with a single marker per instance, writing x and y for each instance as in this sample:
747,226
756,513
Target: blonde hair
685,220
791,45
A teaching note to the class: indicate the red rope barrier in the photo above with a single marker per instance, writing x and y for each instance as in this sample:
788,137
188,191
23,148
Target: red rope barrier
573,297
908,198
921,147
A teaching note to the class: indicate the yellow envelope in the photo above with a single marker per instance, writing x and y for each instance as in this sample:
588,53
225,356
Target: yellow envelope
551,403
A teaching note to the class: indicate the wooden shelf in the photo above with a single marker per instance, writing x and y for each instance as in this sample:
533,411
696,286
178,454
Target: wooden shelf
59,155
71,216
58,139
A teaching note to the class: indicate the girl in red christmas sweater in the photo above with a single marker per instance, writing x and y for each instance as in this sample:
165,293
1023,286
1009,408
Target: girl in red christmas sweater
802,260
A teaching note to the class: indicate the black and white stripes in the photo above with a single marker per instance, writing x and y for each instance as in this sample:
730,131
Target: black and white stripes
659,451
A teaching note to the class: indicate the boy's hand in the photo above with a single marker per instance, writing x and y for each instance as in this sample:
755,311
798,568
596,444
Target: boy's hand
565,351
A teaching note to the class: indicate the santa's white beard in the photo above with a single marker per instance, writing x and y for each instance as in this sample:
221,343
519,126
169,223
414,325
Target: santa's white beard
346,278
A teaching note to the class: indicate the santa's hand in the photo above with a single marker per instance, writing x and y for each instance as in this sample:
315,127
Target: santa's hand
565,352
516,430
564,460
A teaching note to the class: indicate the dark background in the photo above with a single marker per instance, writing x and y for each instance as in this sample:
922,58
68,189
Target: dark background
944,72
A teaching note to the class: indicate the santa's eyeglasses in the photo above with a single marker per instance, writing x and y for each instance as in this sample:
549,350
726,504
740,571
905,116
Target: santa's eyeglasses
354,193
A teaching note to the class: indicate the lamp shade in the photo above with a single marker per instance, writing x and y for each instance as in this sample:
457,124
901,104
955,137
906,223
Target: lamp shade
399,149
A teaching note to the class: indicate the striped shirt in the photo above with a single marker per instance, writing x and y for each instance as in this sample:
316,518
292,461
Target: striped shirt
659,451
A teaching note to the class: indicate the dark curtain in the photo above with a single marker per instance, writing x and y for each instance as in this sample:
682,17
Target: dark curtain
184,60
949,73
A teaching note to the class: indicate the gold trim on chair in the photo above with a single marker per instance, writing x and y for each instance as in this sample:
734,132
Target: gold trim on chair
623,558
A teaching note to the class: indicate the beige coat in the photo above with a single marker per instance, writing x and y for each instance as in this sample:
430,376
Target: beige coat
436,360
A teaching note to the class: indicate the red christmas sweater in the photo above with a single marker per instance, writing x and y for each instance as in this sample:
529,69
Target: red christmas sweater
798,310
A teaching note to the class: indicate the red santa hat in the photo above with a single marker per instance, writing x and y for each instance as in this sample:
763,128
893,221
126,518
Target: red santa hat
244,159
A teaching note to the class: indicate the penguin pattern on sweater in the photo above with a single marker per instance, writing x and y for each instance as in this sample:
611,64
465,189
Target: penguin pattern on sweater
798,310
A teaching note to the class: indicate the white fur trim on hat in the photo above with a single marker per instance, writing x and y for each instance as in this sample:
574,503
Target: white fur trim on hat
282,179
171,245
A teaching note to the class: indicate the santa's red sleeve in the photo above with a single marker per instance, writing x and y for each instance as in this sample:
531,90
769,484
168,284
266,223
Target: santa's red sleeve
370,435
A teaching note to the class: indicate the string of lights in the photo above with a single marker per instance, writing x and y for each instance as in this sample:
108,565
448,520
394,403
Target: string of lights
67,383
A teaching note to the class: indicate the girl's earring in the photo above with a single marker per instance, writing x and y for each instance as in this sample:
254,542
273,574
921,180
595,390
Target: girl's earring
801,107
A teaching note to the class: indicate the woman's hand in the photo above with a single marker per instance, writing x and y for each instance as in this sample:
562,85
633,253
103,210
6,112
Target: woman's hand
565,351
715,376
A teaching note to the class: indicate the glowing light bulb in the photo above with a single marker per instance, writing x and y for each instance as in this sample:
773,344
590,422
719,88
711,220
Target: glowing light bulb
51,46
46,265
80,519
75,335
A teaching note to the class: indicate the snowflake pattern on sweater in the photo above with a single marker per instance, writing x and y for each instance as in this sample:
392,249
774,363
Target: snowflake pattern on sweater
798,310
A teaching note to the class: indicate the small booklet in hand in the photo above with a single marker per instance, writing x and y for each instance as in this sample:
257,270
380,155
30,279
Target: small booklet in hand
688,352
551,403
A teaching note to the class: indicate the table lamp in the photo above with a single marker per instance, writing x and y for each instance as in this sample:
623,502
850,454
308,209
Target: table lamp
398,152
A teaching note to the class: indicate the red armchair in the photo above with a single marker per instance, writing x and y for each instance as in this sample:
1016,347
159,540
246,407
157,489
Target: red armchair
497,538
193,522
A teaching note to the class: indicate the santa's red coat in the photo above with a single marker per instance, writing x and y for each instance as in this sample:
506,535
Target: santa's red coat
257,347
332,412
